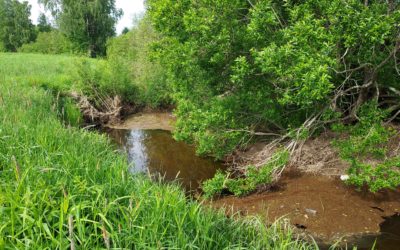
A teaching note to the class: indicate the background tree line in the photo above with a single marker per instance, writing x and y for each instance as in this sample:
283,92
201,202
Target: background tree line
80,26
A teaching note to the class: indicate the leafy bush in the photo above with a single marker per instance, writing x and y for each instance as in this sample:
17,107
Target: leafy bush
236,66
366,140
130,53
253,178
52,42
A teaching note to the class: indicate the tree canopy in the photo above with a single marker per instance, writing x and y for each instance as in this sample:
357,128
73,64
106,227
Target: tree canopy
241,69
15,26
87,23
43,24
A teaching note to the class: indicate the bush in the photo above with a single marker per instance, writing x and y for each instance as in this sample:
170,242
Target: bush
52,42
365,141
253,178
238,67
130,53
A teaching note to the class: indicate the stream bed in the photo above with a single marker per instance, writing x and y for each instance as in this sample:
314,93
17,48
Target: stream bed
320,206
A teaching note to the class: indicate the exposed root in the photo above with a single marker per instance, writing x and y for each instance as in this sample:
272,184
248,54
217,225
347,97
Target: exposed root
109,111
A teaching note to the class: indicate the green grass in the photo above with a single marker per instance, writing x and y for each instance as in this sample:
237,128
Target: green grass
61,185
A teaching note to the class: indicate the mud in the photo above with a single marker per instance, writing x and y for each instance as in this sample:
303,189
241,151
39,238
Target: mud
147,121
325,208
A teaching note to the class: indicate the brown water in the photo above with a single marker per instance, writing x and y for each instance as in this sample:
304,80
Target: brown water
320,206
157,153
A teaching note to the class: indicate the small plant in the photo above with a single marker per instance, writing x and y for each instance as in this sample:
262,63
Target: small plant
253,178
368,139
216,184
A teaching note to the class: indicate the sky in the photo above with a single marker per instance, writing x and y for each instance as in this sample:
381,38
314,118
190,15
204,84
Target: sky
130,8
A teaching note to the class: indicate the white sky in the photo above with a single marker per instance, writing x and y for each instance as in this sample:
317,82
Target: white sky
130,8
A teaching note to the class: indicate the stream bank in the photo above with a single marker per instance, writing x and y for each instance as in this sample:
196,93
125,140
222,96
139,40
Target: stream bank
318,205
325,208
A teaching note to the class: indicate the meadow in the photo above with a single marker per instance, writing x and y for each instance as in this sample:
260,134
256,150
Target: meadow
62,187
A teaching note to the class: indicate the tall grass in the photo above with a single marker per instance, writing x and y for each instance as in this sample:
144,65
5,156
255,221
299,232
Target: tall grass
66,188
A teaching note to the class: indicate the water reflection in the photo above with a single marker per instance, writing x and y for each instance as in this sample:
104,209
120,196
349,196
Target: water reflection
137,154
157,152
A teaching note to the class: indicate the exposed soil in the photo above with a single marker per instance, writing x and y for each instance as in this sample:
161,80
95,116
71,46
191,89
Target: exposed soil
147,121
321,206
316,156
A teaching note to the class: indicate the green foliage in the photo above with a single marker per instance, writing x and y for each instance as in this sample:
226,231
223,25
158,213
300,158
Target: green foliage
62,187
69,112
367,140
99,80
43,24
268,65
125,30
53,73
254,177
16,27
216,184
88,24
129,55
52,42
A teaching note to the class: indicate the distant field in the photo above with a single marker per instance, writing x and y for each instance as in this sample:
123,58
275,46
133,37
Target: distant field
62,187
51,70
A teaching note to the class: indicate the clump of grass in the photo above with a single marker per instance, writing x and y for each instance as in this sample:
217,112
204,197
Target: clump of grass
62,187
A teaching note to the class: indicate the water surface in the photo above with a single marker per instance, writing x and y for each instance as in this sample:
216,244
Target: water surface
157,153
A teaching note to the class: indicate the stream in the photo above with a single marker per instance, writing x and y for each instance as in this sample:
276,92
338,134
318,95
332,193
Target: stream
320,206
151,149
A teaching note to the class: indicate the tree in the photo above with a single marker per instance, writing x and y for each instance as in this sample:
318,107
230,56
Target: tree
16,27
43,24
245,69
87,23
125,30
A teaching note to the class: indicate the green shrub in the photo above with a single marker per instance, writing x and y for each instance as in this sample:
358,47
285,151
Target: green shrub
366,140
267,66
215,185
130,53
253,178
52,42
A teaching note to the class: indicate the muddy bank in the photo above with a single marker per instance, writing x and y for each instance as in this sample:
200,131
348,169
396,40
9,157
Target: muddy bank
146,121
325,208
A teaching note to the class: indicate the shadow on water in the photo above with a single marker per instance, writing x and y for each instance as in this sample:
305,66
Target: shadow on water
156,152
390,233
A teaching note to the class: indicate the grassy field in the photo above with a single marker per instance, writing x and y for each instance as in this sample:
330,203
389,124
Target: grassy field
65,188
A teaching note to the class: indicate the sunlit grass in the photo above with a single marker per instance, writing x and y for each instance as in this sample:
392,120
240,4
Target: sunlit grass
64,188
